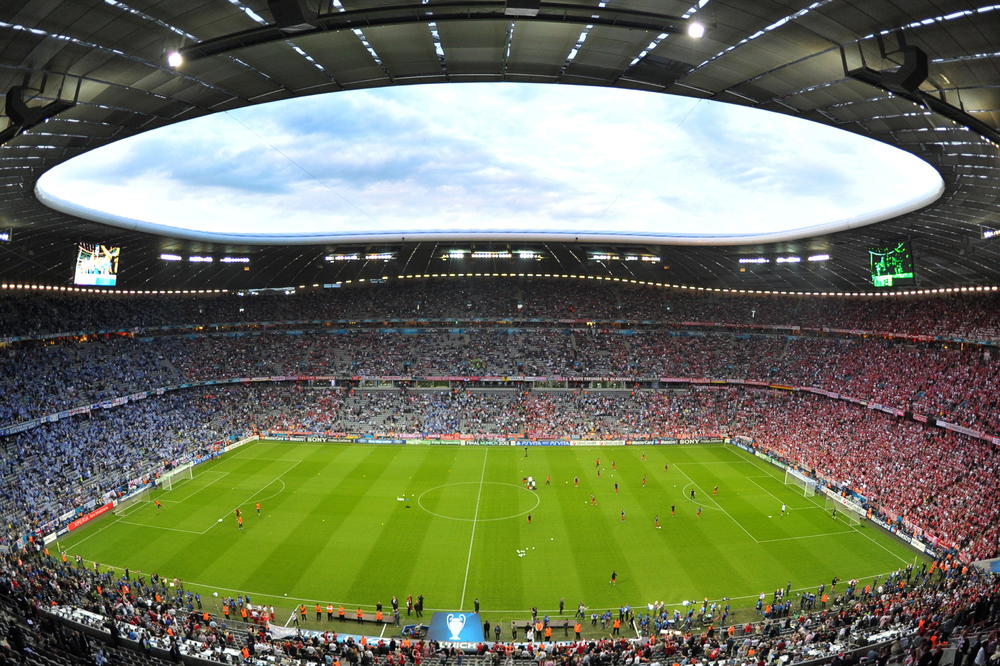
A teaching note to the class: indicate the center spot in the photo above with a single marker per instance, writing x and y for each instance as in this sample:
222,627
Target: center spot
496,500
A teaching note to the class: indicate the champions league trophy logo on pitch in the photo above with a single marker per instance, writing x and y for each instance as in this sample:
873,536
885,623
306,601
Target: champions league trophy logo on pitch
455,625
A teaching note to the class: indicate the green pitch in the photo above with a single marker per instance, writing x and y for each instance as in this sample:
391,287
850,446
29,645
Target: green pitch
356,524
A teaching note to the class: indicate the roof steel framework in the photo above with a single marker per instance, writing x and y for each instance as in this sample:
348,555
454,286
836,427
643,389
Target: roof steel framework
108,57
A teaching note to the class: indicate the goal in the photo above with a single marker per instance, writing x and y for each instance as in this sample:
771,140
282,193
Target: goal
795,478
840,508
168,479
123,507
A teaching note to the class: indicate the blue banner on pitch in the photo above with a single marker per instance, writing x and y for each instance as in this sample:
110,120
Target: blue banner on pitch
455,626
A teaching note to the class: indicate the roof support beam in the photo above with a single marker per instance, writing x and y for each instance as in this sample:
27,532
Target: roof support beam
497,10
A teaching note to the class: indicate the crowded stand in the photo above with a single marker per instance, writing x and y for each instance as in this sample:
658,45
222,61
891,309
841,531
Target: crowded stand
949,495
954,384
972,315
911,616
600,381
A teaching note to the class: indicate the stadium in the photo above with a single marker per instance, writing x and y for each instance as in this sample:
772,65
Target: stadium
500,331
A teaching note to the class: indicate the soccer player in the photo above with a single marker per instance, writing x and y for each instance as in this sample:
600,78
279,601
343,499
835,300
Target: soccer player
614,577
597,462
642,456
783,509
576,481
238,512
644,481
158,505
673,510
239,522
623,514
657,521
593,500
666,467
715,490
548,482
258,508
833,513
529,518
616,488
699,512
692,493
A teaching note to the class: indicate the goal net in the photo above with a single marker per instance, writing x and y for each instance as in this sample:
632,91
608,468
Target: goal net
123,507
840,508
795,478
168,479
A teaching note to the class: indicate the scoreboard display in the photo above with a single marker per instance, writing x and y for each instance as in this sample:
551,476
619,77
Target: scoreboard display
96,265
891,264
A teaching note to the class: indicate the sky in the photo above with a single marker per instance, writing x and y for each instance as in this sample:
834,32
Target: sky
524,160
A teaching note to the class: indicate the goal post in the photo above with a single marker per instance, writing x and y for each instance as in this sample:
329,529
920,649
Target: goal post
796,478
840,508
179,473
123,507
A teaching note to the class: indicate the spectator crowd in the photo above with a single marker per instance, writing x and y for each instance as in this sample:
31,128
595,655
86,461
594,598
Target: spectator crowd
945,382
909,618
973,315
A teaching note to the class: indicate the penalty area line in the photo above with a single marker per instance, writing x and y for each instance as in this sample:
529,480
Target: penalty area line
721,508
255,493
806,536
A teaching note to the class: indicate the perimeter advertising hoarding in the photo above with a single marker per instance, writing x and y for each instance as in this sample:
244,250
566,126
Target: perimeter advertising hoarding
86,518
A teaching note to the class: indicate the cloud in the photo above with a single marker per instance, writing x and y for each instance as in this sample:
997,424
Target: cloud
493,157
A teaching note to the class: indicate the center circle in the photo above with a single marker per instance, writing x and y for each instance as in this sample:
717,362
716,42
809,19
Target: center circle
474,501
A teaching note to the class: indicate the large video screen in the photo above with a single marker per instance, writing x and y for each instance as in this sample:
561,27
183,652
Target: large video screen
891,264
97,265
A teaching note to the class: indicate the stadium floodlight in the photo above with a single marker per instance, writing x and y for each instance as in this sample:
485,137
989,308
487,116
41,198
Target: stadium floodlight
342,257
175,59
603,256
235,260
200,260
5,236
754,260
650,258
380,256
819,257
631,257
491,254
990,233
170,257
788,260
696,30
527,254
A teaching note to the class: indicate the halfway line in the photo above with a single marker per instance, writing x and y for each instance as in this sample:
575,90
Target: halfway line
475,521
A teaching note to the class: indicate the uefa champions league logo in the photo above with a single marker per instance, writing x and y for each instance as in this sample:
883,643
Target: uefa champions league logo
456,622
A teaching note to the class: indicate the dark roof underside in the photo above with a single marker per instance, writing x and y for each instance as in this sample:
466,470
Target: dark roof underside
108,56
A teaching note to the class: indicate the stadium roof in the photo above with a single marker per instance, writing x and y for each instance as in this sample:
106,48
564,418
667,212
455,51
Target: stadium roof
108,60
